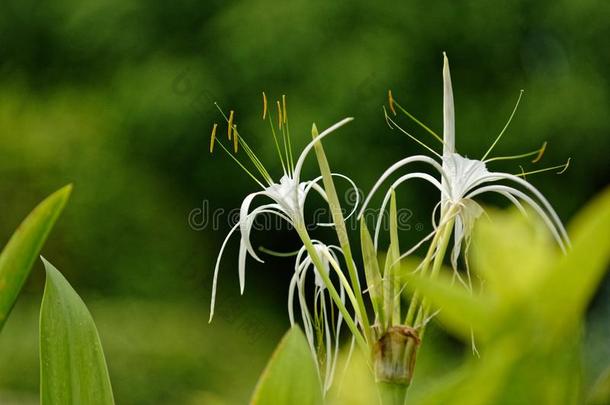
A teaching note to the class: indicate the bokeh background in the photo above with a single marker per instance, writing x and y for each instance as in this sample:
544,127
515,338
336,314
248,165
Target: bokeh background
117,98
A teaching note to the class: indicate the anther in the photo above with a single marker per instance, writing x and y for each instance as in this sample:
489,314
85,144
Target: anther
230,124
264,105
540,153
391,102
285,116
213,137
235,140
279,114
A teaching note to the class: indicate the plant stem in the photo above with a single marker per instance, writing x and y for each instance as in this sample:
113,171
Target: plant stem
392,394
436,266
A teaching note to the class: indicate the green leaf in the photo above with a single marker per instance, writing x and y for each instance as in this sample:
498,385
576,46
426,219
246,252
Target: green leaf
394,254
18,256
371,271
573,282
512,252
72,364
291,376
460,310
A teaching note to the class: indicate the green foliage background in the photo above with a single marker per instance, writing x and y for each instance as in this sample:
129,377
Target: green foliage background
116,97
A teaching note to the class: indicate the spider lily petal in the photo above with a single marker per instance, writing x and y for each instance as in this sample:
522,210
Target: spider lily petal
313,184
310,145
393,168
322,321
556,231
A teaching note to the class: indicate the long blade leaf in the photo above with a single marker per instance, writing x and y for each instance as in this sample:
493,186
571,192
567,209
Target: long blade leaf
72,364
18,256
290,376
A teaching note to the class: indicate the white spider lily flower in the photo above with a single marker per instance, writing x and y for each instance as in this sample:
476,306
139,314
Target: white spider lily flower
287,196
462,179
325,321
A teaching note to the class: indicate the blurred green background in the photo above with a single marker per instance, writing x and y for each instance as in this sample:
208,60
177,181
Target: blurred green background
116,97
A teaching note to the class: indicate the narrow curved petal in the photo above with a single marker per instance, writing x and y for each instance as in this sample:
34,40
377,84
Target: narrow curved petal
216,269
245,239
541,198
520,194
246,222
388,194
310,145
393,168
291,289
313,184
305,315
515,202
241,268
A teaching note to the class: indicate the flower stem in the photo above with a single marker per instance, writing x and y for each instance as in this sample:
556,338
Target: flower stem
436,266
392,394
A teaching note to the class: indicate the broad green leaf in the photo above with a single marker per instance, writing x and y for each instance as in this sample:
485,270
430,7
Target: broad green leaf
409,265
573,282
18,256
460,310
291,376
72,364
354,384
512,253
371,271
478,382
600,392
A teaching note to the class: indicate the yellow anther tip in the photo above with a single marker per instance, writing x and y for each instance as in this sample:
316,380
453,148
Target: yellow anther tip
279,113
230,129
213,137
235,139
540,153
391,102
285,110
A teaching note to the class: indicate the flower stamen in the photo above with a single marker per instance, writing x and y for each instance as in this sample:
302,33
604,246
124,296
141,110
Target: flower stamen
538,152
505,126
285,116
391,102
390,120
542,149
563,168
213,137
277,144
418,122
230,127
238,139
